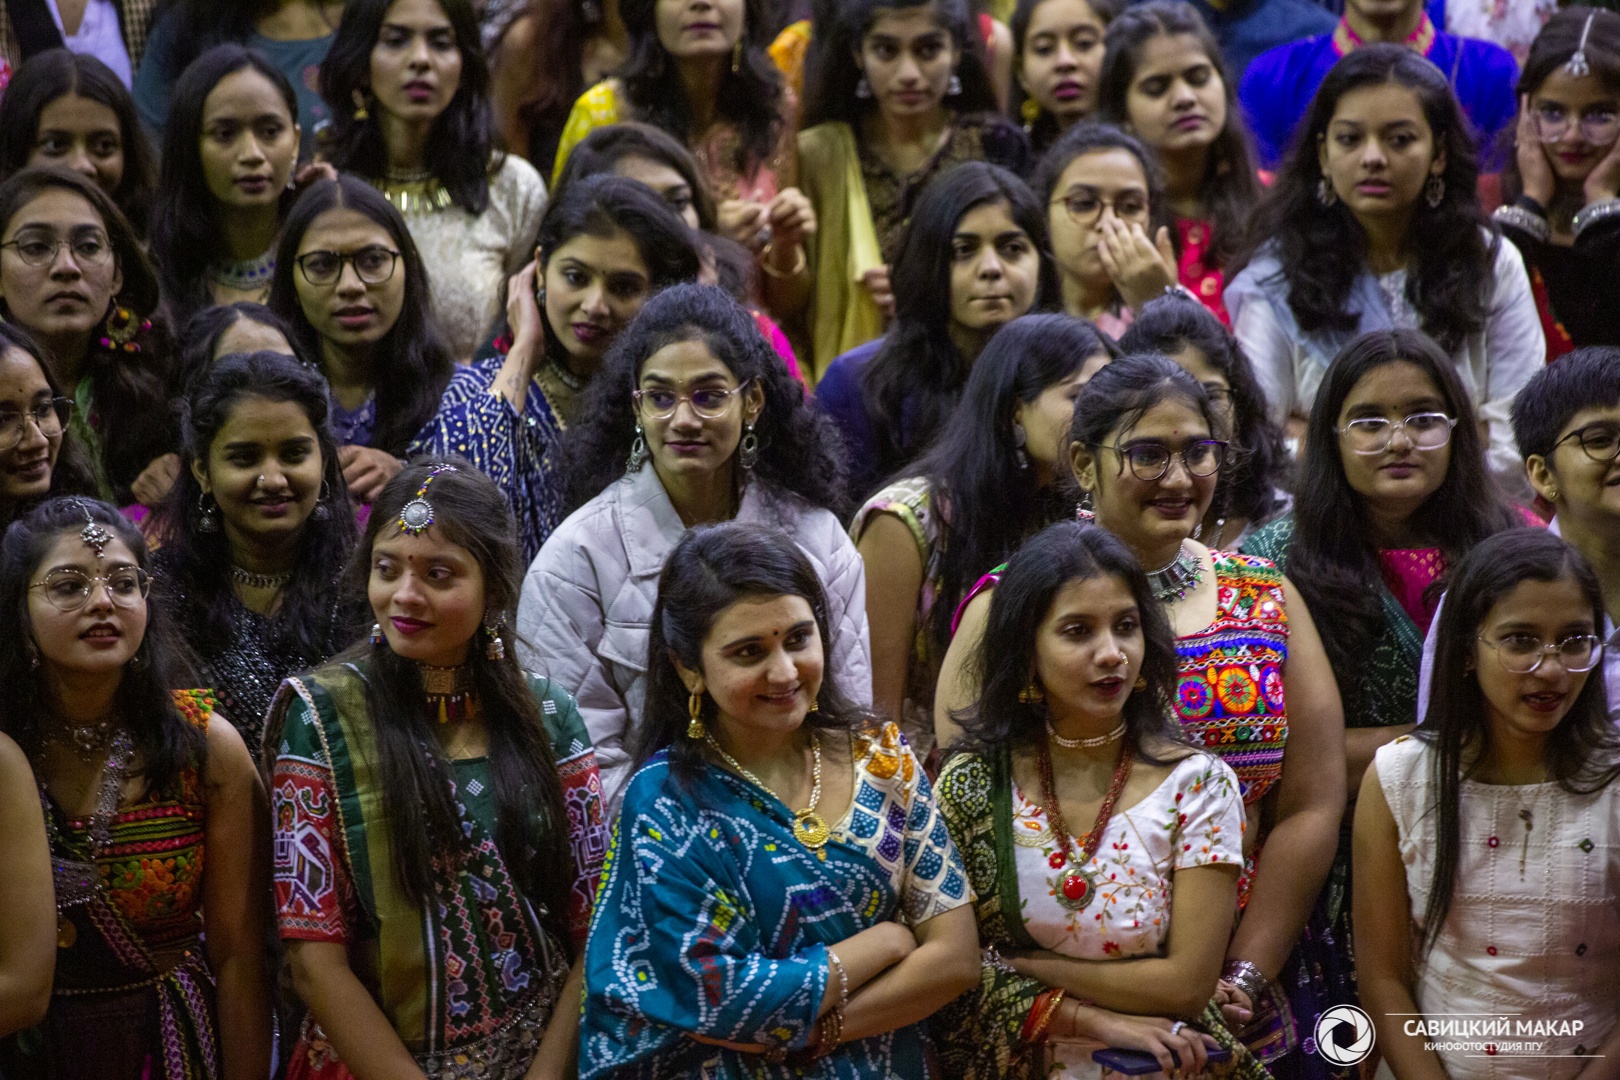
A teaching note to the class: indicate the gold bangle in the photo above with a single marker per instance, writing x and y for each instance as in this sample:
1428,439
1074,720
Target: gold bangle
798,264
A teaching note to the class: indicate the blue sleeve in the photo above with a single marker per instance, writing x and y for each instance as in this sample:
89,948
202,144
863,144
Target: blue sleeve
839,396
1259,97
1493,105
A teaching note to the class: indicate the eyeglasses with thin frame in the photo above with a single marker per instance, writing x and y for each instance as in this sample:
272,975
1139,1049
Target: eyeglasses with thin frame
90,248
1151,461
1521,654
373,265
1085,207
1219,396
1599,124
1599,441
50,417
709,403
69,590
1373,434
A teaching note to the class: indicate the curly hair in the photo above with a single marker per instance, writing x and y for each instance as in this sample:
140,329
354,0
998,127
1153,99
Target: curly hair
798,446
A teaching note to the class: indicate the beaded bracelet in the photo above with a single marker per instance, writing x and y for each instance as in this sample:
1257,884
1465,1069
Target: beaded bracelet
843,979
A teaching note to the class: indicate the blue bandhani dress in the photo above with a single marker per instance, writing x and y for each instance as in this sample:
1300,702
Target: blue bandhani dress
714,920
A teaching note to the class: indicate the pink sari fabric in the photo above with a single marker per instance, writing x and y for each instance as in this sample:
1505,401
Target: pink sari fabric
1408,573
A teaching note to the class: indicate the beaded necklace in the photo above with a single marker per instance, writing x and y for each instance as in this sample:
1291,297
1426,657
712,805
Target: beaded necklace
1076,884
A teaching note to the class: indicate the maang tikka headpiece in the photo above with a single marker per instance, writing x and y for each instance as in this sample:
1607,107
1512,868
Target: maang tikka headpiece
1577,67
94,535
416,515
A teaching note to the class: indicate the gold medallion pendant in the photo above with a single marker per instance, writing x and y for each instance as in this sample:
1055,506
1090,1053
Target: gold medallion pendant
809,829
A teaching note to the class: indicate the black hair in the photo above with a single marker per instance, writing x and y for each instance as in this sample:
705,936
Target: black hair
54,74
1334,557
1453,250
187,233
165,742
199,562
1005,659
711,568
1256,463
200,337
1044,129
413,360
73,473
1582,753
750,94
1230,189
919,372
974,467
1580,380
559,31
604,205
1119,395
460,150
413,773
201,24
831,73
798,446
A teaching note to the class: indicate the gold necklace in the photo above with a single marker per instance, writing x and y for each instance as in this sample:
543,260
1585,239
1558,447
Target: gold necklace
808,827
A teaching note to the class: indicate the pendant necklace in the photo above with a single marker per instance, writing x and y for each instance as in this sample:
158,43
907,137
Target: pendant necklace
78,881
1178,577
249,580
449,693
1076,885
808,827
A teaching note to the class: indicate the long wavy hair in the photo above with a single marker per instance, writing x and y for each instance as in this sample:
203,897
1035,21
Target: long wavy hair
1043,131
187,233
165,742
559,32
1334,556
58,73
460,150
918,373
199,563
711,568
1453,253
1582,753
798,445
1256,465
74,473
1005,660
413,360
413,774
1231,188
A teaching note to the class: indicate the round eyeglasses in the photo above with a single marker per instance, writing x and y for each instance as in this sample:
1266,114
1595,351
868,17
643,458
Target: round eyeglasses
1373,434
89,249
1599,125
1151,461
69,590
708,403
1085,206
50,417
1521,654
373,265
1599,441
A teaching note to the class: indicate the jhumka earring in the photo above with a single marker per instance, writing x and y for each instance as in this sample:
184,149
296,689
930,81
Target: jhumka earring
694,709
207,514
1325,193
495,650
954,88
1434,192
360,112
376,634
815,705
1140,684
1031,694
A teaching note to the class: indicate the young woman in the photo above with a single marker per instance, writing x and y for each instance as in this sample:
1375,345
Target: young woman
410,88
292,34
1110,223
1164,81
66,108
39,456
1562,189
693,421
991,480
229,152
1059,50
1070,729
973,259
1251,486
901,95
606,245
1485,841
760,783
1385,178
438,816
349,279
242,327
73,275
155,813
1146,455
256,532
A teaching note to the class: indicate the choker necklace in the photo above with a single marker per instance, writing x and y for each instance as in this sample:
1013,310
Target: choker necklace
449,693
567,377
87,741
1178,578
808,827
252,275
1076,744
414,192
258,581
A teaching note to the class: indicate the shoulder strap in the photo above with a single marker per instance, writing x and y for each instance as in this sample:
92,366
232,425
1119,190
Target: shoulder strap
33,26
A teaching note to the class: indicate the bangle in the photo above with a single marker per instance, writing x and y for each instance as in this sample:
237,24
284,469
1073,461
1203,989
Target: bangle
843,979
798,263
1518,217
829,1033
1040,1016
1596,212
1248,978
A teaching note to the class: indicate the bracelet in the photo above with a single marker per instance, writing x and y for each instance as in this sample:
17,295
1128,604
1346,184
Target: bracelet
798,264
1589,215
1040,1016
829,1033
1248,978
994,959
843,979
1519,218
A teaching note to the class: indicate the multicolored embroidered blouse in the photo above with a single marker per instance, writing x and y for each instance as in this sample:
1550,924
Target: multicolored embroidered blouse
714,920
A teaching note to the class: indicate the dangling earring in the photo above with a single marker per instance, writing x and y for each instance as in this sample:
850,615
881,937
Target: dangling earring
322,511
1434,192
954,89
1140,684
638,452
1325,193
694,710
359,99
736,57
33,655
207,514
815,705
863,89
1020,440
376,634
1029,112
1031,694
748,449
495,650
1083,513
120,329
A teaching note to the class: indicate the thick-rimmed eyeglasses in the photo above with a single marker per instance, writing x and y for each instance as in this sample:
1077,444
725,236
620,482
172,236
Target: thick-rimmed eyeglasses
89,249
1599,441
1599,126
1373,434
1086,207
1151,461
69,590
1521,654
709,403
50,417
373,265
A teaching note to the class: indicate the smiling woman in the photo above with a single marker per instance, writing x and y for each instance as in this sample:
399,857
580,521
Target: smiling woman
39,456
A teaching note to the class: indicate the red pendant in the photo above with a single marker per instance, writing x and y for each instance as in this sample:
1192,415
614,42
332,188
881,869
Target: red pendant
1075,889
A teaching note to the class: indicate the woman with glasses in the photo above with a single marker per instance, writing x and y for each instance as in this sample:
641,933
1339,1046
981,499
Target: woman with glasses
157,819
693,420
39,457
1254,686
349,279
1486,849
1561,189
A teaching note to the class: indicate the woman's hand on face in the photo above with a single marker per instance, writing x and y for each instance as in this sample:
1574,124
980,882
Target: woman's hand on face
523,313
1156,1035
791,219
1534,168
1141,269
743,222
876,281
1603,182
156,480
366,469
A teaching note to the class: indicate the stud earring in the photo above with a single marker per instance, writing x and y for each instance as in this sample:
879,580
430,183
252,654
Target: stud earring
207,514
638,452
376,634
694,711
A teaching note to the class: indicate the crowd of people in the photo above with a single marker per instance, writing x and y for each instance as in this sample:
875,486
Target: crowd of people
651,539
